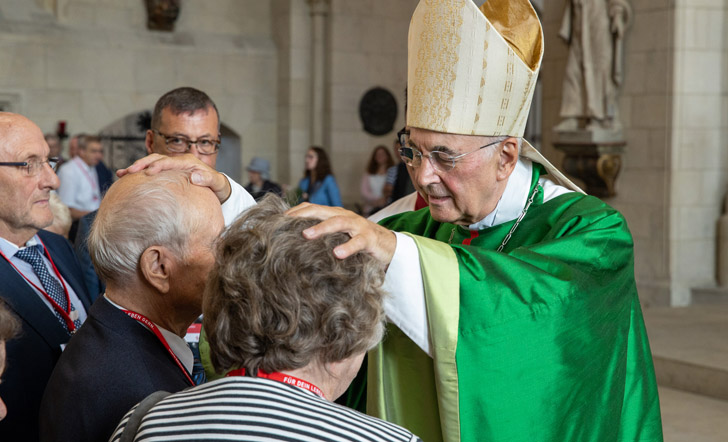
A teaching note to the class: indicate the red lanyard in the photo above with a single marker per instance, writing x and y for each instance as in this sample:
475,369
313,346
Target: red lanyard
66,315
151,326
280,377
94,186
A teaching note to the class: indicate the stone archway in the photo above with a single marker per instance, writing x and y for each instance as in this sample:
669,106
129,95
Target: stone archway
124,139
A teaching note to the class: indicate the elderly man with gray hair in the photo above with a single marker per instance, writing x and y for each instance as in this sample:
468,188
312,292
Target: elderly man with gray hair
152,244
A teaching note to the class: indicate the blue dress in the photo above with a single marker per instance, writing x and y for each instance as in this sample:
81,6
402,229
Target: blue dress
325,193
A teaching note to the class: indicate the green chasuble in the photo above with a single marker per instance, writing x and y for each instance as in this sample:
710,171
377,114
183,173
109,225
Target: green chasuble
543,341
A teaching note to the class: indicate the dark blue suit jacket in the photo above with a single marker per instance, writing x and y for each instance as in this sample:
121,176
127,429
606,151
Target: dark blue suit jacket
93,282
112,363
32,356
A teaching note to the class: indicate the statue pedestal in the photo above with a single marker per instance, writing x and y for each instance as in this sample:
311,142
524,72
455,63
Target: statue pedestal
594,156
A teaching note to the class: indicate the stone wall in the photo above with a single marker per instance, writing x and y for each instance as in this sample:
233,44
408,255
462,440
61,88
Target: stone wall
365,46
92,62
699,168
368,48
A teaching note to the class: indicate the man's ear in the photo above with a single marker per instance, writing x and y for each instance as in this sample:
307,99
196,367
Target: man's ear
149,141
508,158
157,264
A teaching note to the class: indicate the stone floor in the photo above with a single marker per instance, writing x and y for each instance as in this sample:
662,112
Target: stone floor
688,417
690,350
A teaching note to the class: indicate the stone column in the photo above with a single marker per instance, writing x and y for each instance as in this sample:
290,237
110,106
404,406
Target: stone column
319,11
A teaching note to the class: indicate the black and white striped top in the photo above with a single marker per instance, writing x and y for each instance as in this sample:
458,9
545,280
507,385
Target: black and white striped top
254,409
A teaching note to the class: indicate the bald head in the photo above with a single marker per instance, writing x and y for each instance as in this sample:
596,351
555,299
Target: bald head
14,127
140,211
24,189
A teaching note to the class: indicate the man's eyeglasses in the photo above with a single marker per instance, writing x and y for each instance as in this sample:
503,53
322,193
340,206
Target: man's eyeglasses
181,144
441,161
33,167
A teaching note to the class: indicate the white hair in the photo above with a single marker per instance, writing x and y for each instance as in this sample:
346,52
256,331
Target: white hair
498,139
154,212
61,216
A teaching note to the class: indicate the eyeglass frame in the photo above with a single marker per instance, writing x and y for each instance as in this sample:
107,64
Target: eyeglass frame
29,164
167,140
453,159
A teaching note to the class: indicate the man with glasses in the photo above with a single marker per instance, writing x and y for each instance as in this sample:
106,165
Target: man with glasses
514,310
41,280
186,121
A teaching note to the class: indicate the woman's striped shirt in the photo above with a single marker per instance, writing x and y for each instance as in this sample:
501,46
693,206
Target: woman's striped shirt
254,409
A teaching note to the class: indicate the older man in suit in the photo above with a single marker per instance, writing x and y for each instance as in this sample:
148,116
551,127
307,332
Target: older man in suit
41,279
152,244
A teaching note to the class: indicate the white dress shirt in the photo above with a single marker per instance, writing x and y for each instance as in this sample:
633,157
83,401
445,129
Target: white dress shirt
9,250
79,187
237,202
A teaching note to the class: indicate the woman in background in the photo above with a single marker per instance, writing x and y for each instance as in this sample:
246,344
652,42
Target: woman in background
372,183
318,185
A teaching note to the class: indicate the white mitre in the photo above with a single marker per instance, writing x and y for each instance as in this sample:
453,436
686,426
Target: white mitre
472,71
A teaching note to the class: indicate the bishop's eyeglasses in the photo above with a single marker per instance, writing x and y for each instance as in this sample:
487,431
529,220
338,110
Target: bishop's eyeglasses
440,160
182,144
32,167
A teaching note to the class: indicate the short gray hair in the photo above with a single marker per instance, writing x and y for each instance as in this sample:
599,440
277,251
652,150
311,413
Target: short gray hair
502,138
129,223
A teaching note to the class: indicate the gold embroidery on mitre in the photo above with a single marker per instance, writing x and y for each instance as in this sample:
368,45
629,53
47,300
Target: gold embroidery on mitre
526,98
507,93
439,31
499,125
481,91
431,90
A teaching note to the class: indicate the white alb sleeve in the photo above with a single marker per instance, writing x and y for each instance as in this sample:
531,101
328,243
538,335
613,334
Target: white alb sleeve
405,303
237,202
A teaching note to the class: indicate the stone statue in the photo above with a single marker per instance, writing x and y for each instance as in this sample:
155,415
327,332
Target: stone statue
161,14
594,31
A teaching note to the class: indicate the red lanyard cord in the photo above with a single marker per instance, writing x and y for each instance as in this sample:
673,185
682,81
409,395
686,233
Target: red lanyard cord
94,185
151,326
65,314
281,377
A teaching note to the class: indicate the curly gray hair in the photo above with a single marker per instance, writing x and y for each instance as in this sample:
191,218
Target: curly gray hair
277,301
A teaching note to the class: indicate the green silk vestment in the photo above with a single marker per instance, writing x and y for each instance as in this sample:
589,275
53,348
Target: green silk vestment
544,341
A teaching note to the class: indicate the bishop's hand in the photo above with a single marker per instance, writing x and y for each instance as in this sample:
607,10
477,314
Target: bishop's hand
200,173
366,236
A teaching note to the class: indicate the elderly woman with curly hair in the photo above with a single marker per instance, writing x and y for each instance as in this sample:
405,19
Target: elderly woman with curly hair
289,323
